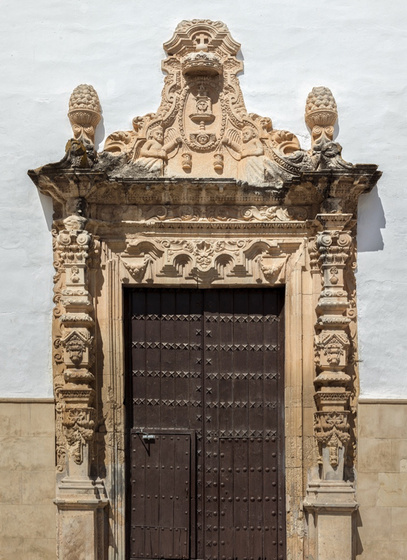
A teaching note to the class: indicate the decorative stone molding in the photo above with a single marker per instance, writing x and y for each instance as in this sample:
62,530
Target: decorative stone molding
202,193
204,261
202,125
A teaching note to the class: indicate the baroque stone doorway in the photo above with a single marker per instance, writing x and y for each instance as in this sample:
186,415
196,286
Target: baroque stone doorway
203,194
206,424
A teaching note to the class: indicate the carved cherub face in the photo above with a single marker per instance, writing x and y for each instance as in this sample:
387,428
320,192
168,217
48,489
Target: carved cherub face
158,134
248,133
202,106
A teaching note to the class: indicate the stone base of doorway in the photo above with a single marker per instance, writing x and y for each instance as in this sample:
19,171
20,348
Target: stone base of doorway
81,520
330,506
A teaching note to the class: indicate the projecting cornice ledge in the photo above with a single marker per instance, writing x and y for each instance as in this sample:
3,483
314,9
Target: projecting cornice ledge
203,140
325,191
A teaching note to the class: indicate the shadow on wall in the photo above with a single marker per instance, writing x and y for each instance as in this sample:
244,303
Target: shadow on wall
100,133
358,540
371,220
46,204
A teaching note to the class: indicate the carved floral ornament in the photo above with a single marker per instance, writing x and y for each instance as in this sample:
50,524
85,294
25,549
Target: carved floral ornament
200,193
206,260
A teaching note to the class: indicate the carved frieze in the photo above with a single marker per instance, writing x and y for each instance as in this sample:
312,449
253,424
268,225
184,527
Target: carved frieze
207,260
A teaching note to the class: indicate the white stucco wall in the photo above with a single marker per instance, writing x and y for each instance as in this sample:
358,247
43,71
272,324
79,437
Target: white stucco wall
358,49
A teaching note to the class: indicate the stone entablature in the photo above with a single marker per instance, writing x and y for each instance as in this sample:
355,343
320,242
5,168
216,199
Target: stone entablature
202,193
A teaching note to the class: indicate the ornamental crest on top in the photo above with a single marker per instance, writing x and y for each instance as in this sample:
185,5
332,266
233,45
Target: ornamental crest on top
202,127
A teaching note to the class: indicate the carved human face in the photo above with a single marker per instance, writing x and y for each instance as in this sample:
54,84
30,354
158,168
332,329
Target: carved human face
202,106
158,135
248,134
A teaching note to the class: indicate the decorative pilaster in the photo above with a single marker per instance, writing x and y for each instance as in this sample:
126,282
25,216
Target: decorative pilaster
79,498
332,344
75,392
330,499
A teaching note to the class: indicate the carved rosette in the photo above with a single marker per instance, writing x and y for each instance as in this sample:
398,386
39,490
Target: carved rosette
332,343
73,341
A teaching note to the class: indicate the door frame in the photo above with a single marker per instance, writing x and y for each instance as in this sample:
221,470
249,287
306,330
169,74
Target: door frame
312,254
298,362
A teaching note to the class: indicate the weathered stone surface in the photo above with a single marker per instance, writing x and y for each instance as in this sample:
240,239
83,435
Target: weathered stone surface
27,480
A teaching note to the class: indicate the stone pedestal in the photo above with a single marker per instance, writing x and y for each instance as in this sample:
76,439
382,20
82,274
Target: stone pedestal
330,507
81,522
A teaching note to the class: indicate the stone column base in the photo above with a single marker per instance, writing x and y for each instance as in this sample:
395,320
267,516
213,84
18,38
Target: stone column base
330,507
81,520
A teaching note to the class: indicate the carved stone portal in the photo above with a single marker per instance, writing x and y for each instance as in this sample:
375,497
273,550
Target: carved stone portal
203,193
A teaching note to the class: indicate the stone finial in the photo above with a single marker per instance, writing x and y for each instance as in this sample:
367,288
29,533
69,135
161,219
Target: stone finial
84,112
321,114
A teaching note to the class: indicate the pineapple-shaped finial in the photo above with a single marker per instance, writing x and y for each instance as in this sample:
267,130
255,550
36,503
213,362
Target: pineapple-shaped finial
321,114
84,112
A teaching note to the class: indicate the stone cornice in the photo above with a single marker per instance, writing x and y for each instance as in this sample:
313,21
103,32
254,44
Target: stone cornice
325,191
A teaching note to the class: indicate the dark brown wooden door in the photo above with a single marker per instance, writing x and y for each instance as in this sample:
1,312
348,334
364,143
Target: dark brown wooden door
206,459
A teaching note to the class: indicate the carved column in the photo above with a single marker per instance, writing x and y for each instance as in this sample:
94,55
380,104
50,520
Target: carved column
331,499
79,498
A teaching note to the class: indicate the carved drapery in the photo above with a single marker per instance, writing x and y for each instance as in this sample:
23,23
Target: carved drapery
202,193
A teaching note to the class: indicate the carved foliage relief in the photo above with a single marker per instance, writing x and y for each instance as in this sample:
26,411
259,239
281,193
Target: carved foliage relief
205,261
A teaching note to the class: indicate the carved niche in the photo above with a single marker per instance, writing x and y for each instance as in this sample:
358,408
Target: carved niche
201,193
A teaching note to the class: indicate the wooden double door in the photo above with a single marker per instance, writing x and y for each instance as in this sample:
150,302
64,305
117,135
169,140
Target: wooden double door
206,428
